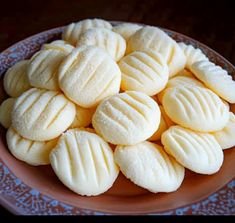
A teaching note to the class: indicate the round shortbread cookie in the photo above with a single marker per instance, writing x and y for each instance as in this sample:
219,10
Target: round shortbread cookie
73,31
32,152
5,112
111,42
215,78
146,72
196,108
83,117
127,118
192,54
84,162
126,30
149,166
153,38
15,80
88,75
225,137
60,45
43,69
180,81
165,123
42,115
199,152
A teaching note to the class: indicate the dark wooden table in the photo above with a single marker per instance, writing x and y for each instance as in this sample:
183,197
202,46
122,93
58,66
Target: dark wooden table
210,22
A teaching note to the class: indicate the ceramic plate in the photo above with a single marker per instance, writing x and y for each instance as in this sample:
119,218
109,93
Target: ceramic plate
36,190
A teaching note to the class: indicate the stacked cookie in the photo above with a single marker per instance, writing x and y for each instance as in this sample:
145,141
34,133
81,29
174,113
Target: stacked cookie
129,98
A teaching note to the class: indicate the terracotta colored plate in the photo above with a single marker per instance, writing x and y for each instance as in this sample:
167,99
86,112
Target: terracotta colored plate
36,190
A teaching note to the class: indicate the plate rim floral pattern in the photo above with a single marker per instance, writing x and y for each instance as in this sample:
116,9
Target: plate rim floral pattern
19,198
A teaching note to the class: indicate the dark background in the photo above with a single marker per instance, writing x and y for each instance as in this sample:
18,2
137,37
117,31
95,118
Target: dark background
210,22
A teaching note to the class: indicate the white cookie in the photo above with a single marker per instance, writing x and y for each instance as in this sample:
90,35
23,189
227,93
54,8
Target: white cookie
42,115
226,136
146,72
88,75
192,54
73,31
111,42
83,117
126,118
153,38
43,69
60,45
5,112
215,78
32,152
196,108
126,30
84,162
147,165
15,80
180,81
199,152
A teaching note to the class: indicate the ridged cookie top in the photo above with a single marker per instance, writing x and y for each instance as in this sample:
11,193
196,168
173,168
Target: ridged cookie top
149,166
215,78
32,152
147,38
126,30
60,45
199,152
88,75
111,42
126,118
15,80
42,115
192,54
84,162
196,108
180,81
146,72
43,69
73,31
155,39
5,112
225,137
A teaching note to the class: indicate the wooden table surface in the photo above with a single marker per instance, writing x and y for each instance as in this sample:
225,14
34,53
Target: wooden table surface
210,22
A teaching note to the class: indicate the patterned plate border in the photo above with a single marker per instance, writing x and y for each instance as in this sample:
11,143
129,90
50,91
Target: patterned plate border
20,198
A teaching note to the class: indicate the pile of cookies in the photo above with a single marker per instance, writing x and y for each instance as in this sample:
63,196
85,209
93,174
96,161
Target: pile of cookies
128,98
